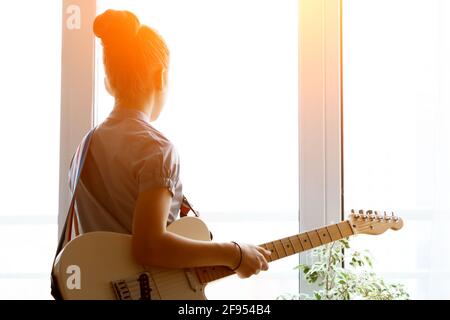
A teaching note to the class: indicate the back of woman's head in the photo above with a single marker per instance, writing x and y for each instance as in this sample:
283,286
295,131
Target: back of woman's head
133,55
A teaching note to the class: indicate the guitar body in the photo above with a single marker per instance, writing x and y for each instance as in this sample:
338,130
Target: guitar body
100,266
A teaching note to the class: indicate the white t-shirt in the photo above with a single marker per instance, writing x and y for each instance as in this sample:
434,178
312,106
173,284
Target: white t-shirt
127,155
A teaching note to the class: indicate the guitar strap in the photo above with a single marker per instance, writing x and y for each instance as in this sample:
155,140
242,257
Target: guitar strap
76,167
186,207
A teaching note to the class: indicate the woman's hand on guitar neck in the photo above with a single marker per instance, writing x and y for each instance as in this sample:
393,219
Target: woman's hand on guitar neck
250,260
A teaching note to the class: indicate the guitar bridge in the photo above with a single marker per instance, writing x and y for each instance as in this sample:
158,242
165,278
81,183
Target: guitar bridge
135,288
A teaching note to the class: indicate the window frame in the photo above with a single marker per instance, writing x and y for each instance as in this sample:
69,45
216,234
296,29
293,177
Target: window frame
77,91
320,117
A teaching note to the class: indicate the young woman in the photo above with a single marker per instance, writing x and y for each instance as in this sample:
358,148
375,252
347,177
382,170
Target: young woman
130,182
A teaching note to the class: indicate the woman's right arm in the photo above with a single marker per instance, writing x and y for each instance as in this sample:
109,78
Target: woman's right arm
153,245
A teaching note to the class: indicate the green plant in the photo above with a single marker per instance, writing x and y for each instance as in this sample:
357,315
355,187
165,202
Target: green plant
355,281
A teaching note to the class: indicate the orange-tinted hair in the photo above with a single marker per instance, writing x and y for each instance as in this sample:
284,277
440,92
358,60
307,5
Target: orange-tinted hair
132,54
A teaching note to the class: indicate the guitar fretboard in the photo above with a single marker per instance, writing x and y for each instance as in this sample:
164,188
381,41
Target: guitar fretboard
286,247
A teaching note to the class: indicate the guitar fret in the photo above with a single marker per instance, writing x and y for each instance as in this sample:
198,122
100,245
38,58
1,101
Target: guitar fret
324,236
218,273
200,277
314,238
213,273
276,250
291,245
206,275
265,246
306,242
278,242
340,232
224,272
271,248
310,241
300,241
316,232
296,240
345,229
287,246
227,271
284,248
334,232
221,272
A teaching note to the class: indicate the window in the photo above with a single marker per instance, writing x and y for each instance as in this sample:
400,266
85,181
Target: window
232,112
396,149
29,135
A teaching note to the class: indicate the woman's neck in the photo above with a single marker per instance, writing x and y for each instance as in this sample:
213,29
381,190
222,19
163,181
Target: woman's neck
146,109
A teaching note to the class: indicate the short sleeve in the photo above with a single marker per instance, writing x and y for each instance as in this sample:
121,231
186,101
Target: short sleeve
160,168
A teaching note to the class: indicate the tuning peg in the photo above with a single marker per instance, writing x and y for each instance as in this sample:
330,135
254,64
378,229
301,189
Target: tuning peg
354,214
377,216
386,218
393,217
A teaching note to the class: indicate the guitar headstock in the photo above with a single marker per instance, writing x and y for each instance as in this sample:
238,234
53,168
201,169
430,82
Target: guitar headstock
373,222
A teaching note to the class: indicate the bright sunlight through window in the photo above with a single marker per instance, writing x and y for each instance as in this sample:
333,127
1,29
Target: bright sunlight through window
232,114
29,134
396,110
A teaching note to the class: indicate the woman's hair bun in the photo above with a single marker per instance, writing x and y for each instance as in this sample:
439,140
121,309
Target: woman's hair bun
116,26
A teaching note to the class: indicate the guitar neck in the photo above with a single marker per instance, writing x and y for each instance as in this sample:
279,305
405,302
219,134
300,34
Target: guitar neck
285,247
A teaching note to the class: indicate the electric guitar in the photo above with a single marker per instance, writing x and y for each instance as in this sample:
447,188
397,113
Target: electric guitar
100,265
